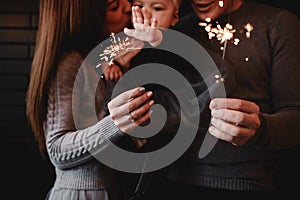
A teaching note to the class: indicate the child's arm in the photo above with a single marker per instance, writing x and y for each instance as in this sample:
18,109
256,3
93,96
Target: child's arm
145,28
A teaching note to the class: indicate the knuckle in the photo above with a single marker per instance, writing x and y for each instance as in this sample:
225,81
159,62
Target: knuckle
131,106
109,105
117,123
113,115
241,118
239,104
133,115
235,131
256,108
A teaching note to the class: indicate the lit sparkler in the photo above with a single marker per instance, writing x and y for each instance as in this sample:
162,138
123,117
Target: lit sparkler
118,48
224,34
221,4
248,28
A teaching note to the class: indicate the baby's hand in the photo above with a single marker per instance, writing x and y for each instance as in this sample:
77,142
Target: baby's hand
112,72
145,28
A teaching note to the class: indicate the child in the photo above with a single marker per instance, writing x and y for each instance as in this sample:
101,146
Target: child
166,14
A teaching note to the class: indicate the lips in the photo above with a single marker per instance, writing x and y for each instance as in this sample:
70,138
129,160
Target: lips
204,7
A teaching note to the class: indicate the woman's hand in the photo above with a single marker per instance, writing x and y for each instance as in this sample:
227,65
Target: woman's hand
234,120
131,109
145,27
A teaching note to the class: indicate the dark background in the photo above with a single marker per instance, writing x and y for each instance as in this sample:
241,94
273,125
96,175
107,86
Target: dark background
24,174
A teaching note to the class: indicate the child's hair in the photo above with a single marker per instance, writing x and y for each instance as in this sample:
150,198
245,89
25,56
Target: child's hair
177,3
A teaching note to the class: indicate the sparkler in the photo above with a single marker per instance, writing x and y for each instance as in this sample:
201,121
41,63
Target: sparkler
224,34
117,48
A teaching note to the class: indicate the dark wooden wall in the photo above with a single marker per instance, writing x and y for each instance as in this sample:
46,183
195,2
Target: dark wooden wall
23,172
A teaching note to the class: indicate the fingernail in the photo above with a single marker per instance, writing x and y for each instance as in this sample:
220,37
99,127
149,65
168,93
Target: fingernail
149,94
151,103
142,89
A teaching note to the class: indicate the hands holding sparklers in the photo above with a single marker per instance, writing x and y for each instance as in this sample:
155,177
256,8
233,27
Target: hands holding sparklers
234,120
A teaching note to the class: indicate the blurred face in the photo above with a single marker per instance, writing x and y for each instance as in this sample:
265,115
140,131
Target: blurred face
163,10
118,15
213,9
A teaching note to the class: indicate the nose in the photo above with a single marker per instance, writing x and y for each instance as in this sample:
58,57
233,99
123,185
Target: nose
126,7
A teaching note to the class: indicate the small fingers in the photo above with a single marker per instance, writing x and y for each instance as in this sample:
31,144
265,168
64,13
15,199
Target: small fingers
139,15
146,16
154,23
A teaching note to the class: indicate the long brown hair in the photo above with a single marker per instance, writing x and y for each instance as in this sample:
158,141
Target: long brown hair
63,25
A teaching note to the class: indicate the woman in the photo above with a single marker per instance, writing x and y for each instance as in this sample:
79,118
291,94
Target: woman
68,31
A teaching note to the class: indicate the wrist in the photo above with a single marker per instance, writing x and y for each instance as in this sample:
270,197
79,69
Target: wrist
157,40
259,138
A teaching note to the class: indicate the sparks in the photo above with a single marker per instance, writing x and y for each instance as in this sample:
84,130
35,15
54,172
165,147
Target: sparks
248,28
114,50
219,78
221,4
222,34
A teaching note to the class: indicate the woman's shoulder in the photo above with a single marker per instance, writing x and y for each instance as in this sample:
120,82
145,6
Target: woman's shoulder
69,62
70,58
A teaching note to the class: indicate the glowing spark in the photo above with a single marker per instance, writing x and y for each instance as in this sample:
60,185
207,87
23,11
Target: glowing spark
222,34
221,4
219,78
202,24
236,41
208,19
248,28
225,34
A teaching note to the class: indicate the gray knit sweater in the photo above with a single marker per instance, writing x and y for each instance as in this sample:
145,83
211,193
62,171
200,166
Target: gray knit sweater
267,69
77,124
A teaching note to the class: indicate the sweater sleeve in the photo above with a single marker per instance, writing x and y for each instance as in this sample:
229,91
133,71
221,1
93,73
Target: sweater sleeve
280,129
72,131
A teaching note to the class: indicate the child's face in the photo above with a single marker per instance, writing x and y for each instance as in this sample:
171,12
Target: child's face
163,10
